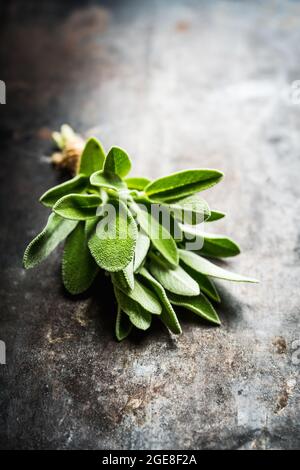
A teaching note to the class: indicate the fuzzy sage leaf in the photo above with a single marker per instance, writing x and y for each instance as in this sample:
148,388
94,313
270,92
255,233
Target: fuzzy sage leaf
202,265
123,325
200,305
206,284
56,230
158,234
182,184
76,185
141,250
92,158
174,280
167,316
137,183
125,278
107,180
190,210
117,162
112,243
138,316
79,268
78,206
216,246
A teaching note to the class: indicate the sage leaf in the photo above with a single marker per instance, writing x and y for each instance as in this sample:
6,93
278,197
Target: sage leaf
159,235
174,280
113,242
79,268
123,325
215,215
200,305
206,285
92,158
139,317
56,230
182,183
141,250
78,206
218,246
90,227
144,297
167,316
107,180
202,265
124,278
76,185
190,210
137,183
117,162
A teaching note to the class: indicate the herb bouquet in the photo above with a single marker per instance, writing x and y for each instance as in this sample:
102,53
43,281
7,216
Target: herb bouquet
114,223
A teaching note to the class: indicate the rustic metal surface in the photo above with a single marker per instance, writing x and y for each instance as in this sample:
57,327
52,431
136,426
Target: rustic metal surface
178,84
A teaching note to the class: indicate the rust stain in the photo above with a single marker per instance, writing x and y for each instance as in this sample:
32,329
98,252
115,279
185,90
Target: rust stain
182,26
283,398
44,133
280,345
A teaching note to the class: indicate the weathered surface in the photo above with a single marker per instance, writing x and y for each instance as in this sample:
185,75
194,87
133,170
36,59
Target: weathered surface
178,84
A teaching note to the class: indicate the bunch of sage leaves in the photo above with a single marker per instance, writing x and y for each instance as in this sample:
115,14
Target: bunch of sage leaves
150,274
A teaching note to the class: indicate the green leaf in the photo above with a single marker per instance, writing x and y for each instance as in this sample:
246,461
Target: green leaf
92,158
199,305
144,297
107,180
205,283
139,317
137,183
113,242
167,316
141,250
79,268
76,185
174,280
215,215
117,162
124,278
90,227
123,325
202,265
78,206
217,246
159,235
190,210
56,230
182,184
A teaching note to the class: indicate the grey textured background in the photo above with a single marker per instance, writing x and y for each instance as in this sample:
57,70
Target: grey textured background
178,84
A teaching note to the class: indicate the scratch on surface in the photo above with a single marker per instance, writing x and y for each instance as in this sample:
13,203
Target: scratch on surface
80,315
58,339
